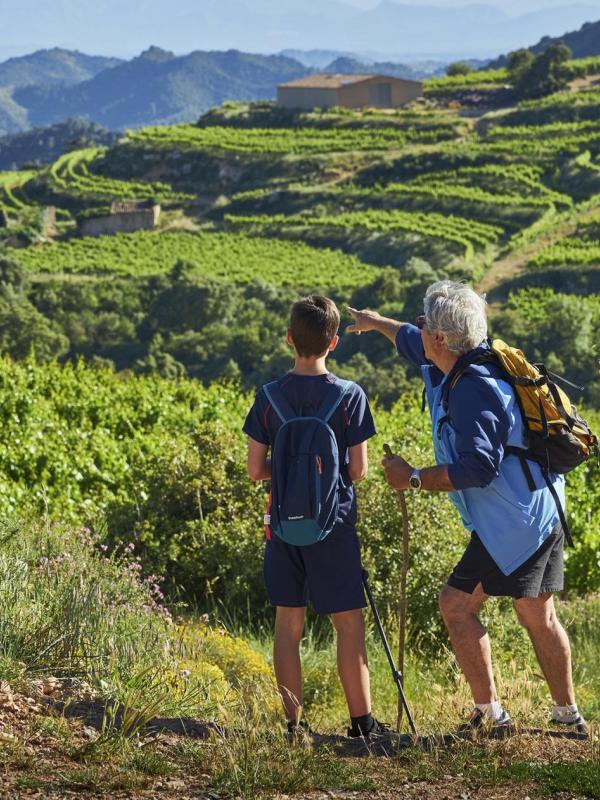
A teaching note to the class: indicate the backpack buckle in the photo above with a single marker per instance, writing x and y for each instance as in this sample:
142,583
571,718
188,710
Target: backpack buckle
267,519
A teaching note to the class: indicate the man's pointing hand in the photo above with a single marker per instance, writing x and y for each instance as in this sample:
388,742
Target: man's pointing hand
363,321
372,321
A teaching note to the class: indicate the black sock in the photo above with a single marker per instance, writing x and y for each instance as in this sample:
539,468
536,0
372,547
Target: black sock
362,725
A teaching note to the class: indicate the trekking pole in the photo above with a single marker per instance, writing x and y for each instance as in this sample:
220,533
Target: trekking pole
403,579
396,674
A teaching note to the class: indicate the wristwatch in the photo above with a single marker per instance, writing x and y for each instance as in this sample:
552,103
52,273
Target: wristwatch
415,479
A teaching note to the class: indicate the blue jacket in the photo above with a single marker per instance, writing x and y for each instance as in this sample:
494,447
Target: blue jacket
492,495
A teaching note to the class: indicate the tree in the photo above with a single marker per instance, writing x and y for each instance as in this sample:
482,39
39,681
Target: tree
547,74
518,62
458,68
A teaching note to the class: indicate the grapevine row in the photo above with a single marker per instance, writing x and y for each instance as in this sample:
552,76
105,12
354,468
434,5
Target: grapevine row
465,232
225,256
271,140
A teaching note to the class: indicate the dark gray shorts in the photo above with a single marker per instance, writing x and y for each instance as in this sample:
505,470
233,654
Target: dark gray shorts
542,573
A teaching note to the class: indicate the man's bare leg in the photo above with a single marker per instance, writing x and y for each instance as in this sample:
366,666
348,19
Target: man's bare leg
352,662
470,640
289,625
551,644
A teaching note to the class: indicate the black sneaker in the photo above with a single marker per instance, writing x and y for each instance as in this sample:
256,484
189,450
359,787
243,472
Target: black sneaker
481,724
579,725
377,729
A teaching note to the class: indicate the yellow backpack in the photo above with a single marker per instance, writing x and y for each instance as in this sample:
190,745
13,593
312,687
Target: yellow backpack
557,437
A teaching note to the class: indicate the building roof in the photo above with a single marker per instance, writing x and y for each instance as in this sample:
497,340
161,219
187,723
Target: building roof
323,80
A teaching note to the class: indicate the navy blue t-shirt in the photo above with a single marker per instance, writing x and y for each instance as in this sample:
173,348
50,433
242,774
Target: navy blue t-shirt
352,423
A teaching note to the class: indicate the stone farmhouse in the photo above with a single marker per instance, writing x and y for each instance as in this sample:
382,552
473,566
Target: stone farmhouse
351,91
125,216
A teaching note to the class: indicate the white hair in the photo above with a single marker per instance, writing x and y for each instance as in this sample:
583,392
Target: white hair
456,311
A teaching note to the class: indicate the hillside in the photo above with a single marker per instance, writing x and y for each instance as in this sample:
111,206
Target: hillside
44,145
349,65
257,192
55,67
583,43
155,87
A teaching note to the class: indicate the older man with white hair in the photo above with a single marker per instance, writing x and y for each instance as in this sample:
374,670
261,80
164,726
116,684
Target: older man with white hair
516,543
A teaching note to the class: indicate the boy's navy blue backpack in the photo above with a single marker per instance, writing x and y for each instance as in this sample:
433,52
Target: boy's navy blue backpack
305,469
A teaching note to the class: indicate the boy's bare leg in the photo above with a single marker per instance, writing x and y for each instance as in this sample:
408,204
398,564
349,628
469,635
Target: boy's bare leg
352,661
470,641
289,625
551,644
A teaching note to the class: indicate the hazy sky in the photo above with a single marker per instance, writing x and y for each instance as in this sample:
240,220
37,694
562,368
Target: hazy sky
510,6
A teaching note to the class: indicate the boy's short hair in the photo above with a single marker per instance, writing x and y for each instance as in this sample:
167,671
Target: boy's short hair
314,321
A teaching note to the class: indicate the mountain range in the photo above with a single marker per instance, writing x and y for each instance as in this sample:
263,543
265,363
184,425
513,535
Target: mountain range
159,87
402,29
156,87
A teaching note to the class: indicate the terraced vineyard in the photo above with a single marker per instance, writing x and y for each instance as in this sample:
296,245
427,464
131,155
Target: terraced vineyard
338,199
13,199
71,175
466,233
271,140
580,249
225,256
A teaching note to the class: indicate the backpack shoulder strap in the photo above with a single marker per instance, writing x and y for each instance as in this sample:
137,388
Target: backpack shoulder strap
331,403
277,400
488,358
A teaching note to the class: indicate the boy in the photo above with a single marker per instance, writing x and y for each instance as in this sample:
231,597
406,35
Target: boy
328,573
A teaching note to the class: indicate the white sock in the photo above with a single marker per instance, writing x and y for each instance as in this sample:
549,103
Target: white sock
491,710
565,713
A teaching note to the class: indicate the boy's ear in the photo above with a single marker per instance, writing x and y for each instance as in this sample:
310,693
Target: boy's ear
333,344
289,339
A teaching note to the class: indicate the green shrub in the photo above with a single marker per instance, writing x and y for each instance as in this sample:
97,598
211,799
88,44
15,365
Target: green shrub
160,465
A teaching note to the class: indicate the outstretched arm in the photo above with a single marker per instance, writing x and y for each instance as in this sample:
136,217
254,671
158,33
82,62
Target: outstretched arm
372,321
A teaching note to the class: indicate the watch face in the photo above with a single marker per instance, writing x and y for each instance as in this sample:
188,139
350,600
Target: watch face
415,481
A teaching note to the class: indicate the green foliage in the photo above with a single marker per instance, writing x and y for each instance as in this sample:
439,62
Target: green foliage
470,80
582,777
519,62
161,464
237,258
561,330
13,201
72,610
270,140
45,145
463,232
548,73
458,68
572,251
70,175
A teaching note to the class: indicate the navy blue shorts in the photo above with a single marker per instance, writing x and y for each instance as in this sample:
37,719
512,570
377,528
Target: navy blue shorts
327,574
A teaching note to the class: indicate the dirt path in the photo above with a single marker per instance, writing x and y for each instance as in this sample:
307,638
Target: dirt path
53,744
